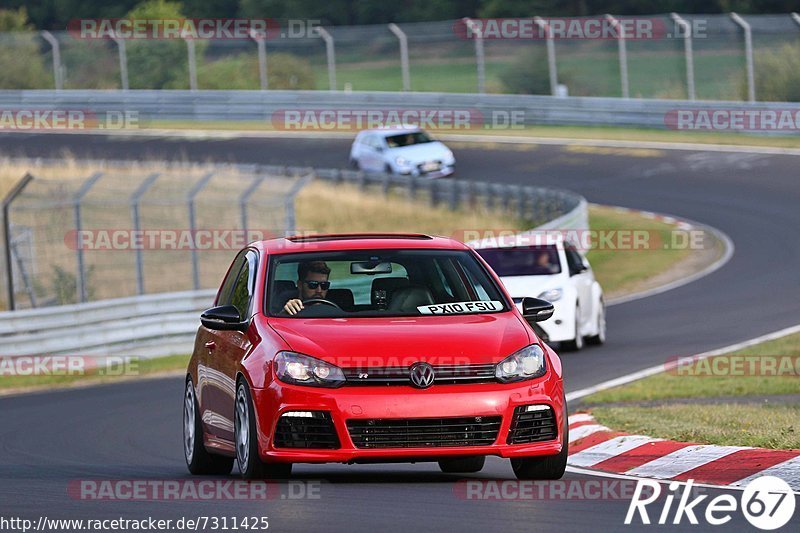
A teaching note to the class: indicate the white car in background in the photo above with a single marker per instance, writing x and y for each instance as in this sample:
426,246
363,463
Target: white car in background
406,150
557,272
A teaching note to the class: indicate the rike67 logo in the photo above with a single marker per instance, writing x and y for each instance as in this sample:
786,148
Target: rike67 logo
767,503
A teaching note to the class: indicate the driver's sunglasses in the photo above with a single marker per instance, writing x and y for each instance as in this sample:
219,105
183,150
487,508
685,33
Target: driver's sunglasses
324,285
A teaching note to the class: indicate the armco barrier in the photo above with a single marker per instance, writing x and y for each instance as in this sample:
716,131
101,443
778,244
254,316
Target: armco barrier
164,324
495,110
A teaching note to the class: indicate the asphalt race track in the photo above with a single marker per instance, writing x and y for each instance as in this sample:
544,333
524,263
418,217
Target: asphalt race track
133,430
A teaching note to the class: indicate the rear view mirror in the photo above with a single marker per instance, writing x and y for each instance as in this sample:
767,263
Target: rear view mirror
371,267
536,309
223,317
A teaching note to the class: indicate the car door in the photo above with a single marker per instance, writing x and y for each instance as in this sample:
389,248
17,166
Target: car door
374,153
581,278
226,349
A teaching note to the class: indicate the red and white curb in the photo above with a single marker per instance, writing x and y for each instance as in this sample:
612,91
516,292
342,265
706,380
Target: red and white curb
597,447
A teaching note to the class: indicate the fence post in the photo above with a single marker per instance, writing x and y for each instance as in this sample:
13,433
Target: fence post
191,57
401,36
623,55
687,48
748,51
480,59
193,192
134,202
80,279
454,194
247,193
551,54
261,42
331,53
58,77
290,221
7,201
123,62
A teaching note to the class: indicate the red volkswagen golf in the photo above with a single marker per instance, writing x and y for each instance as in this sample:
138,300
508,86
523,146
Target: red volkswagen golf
371,348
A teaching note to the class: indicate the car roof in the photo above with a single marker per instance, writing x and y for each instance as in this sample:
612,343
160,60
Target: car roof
357,241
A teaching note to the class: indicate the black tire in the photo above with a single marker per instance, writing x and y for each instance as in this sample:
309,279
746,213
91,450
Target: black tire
600,338
354,164
575,344
388,169
246,439
548,467
198,460
463,465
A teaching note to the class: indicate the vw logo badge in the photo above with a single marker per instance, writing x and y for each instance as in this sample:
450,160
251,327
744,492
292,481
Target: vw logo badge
421,375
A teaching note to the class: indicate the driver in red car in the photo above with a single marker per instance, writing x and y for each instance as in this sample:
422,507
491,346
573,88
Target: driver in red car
312,282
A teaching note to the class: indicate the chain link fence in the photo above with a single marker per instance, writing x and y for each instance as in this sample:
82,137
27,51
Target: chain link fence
426,56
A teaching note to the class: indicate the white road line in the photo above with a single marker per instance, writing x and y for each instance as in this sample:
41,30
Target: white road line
683,460
608,449
622,380
580,417
789,471
585,431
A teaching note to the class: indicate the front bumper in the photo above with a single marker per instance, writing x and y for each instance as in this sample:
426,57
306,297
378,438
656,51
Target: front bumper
402,402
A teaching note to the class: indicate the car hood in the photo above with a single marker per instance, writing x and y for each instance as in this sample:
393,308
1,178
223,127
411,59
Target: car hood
522,286
421,152
401,341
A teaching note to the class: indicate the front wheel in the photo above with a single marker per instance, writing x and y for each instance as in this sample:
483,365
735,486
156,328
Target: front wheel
198,460
462,465
549,467
600,338
575,344
244,428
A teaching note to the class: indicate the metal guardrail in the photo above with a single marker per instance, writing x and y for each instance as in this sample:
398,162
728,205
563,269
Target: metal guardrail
485,111
164,324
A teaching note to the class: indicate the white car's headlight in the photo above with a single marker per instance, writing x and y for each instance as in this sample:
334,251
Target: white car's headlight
553,295
527,363
448,155
300,369
402,161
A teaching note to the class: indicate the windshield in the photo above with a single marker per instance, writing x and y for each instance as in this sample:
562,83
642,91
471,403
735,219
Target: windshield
382,283
408,139
523,260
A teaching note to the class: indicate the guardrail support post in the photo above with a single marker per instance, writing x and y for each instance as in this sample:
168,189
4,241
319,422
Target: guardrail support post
58,72
687,48
80,279
748,51
134,202
552,69
623,55
261,42
247,193
192,59
7,201
290,223
331,53
123,62
193,192
480,58
401,36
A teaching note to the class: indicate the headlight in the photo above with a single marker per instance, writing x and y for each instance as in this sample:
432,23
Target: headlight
301,369
402,161
527,363
552,295
448,155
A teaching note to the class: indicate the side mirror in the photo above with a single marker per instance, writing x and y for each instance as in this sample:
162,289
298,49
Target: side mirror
578,269
223,318
536,309
379,148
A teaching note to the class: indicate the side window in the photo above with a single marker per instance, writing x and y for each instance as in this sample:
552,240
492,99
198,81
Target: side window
242,292
224,297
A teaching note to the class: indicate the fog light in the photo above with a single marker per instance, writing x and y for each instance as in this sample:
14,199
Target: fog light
299,414
530,408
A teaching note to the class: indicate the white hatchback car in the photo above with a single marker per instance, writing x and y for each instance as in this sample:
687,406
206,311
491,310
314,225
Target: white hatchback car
406,150
559,273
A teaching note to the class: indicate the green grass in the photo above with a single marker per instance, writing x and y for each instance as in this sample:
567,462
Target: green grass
756,423
133,368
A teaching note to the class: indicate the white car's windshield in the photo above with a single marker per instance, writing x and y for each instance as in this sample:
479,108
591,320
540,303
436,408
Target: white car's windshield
523,260
408,139
383,283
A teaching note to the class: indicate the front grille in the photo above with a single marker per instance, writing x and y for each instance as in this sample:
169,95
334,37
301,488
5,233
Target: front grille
398,375
532,426
316,431
424,432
